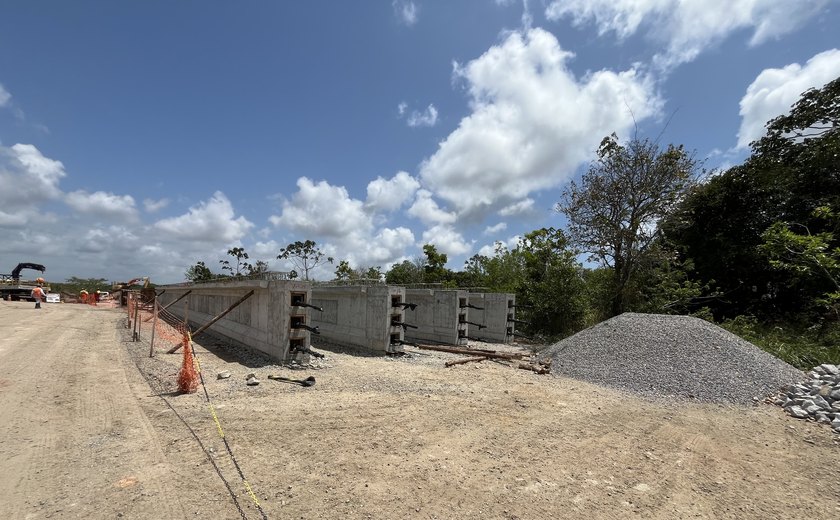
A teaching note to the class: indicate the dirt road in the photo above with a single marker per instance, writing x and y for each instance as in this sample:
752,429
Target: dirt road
85,434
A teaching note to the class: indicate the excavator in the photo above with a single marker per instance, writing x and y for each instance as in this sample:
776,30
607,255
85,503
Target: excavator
119,288
14,289
125,285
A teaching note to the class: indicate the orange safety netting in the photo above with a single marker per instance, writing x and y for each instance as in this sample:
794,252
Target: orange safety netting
188,376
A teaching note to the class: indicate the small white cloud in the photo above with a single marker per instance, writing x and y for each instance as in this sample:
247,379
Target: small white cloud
523,207
427,210
211,221
101,203
153,206
4,96
774,91
687,27
406,11
426,118
389,195
447,240
492,230
490,249
401,108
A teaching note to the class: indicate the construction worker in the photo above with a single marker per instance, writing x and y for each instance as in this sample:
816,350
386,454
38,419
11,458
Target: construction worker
38,294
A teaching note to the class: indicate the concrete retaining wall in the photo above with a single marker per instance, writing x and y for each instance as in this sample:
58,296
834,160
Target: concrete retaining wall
495,313
263,322
360,316
439,316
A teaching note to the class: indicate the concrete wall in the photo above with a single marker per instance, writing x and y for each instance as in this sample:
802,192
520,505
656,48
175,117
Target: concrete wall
361,316
439,316
262,322
496,312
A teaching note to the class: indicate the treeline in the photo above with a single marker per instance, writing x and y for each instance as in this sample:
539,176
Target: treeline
755,248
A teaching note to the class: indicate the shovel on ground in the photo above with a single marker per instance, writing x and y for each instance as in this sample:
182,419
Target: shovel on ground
309,381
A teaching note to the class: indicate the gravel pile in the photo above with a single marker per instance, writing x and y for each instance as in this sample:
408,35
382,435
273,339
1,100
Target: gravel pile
671,356
817,399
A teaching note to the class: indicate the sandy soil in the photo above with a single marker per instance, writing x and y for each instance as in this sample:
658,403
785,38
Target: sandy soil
92,429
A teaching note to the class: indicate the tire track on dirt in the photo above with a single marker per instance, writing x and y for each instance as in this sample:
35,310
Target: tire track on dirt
77,437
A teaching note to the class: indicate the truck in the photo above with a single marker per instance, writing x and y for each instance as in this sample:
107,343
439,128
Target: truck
12,288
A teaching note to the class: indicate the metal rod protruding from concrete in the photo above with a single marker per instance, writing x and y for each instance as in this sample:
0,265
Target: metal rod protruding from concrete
409,306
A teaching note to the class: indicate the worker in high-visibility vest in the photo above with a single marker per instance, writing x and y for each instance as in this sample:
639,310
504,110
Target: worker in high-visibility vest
38,294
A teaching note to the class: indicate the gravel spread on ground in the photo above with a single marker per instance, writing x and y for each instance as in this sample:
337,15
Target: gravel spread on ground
671,356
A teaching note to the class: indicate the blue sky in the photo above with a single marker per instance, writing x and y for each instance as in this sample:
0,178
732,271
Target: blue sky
137,138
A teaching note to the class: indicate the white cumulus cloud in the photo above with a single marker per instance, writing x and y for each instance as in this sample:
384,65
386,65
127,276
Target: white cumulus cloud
322,209
532,123
101,203
447,240
27,178
342,225
390,194
774,91
427,210
211,221
687,27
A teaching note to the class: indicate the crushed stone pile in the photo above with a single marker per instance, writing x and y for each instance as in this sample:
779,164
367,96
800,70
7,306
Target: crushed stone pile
817,398
671,356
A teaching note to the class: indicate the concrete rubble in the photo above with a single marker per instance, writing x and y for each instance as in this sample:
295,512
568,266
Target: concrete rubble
817,399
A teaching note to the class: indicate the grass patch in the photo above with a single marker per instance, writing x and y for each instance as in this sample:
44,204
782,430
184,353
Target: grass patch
799,344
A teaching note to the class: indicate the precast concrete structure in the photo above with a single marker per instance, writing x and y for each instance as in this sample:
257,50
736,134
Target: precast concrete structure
441,316
370,317
496,311
273,320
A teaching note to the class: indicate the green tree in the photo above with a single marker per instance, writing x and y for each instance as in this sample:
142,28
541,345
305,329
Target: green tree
434,269
199,273
75,284
405,273
259,267
343,271
793,170
371,273
306,256
811,259
615,209
551,294
240,256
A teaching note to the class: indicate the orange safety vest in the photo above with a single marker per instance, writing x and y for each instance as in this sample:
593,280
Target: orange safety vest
37,293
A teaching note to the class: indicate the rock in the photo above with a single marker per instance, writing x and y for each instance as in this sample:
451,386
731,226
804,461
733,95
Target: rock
223,375
830,369
797,411
816,370
822,403
813,374
822,418
252,380
834,395
813,409
835,424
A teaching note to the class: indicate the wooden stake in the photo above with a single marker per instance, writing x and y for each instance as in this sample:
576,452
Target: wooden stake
465,360
472,352
154,328
179,298
214,320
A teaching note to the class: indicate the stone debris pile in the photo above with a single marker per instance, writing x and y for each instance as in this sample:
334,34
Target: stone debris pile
817,399
671,357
